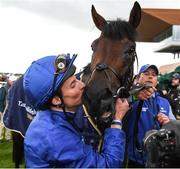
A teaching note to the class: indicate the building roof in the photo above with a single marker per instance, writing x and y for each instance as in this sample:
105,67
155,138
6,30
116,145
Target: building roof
169,47
154,21
168,68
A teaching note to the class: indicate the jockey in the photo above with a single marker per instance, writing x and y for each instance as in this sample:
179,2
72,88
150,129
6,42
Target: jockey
53,139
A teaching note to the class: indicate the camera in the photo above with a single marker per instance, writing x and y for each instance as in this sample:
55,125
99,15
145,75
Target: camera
162,148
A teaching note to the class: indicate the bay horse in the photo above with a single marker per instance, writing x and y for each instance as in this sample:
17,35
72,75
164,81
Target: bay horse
111,67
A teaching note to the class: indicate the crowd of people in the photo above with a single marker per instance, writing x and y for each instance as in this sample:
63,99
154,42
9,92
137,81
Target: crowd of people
52,140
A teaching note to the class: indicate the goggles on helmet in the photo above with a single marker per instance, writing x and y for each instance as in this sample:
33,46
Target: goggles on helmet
62,62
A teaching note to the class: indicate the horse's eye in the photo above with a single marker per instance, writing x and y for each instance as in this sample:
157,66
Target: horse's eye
131,52
94,45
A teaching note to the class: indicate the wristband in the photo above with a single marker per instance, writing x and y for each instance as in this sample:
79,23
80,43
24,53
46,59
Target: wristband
117,122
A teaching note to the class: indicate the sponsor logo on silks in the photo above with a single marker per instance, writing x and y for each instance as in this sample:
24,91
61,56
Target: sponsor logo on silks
144,109
162,110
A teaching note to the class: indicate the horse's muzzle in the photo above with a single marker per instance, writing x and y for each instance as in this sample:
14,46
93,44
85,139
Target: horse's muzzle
101,106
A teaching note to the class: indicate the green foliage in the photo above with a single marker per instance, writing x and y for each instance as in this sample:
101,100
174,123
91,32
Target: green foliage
6,155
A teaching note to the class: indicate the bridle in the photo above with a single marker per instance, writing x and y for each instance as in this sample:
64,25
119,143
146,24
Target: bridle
104,67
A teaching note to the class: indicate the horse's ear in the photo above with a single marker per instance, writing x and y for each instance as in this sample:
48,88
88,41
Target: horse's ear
99,21
135,16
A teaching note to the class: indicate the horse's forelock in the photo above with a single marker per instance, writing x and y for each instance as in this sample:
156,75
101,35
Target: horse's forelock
119,30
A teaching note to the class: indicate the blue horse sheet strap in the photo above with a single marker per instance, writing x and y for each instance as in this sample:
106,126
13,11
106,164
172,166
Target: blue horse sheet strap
18,113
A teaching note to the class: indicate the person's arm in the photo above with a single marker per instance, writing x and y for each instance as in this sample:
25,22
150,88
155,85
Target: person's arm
171,115
146,93
162,118
121,107
113,149
68,149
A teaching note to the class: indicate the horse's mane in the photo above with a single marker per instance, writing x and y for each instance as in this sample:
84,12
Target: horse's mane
119,29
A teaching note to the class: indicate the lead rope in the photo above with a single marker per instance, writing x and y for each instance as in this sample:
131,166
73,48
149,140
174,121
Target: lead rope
90,119
95,127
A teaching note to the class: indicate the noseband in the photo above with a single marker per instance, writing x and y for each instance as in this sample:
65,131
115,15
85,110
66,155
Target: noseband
104,67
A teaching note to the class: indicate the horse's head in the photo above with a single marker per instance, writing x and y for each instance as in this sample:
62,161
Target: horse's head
112,60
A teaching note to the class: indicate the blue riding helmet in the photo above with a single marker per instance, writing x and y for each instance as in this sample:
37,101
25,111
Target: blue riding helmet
44,77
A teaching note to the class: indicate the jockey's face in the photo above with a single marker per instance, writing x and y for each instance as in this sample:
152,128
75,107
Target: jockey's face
72,90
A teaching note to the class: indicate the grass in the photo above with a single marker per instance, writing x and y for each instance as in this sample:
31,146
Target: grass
6,155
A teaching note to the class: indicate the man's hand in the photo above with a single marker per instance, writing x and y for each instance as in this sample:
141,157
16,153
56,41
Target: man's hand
146,93
162,118
121,107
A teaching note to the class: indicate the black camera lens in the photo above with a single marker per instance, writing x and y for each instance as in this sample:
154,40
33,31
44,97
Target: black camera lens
171,133
161,148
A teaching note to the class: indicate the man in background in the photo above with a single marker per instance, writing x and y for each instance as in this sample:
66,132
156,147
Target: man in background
145,115
173,95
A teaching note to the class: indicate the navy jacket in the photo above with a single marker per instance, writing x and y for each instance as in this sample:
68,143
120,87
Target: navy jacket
147,121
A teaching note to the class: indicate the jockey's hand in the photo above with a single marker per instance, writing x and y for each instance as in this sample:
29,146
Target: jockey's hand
121,107
146,93
162,118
